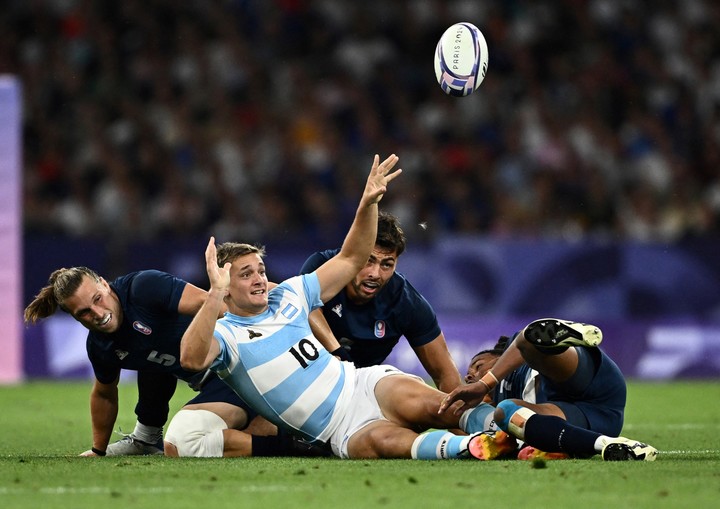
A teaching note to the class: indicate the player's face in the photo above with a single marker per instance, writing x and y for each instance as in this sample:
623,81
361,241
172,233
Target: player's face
248,286
96,306
378,270
479,365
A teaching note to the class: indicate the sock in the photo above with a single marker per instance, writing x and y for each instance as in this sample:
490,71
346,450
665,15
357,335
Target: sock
273,445
600,442
553,434
283,444
439,445
478,419
514,418
148,434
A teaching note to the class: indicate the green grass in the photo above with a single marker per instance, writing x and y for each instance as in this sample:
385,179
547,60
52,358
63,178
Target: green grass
44,425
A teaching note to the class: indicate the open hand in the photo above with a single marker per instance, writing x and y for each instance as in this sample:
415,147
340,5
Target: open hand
463,398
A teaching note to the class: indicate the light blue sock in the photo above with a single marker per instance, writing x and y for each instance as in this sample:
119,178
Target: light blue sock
515,427
478,419
439,445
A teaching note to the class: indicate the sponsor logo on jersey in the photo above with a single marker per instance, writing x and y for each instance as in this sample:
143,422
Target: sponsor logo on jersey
121,354
142,328
337,309
380,329
252,334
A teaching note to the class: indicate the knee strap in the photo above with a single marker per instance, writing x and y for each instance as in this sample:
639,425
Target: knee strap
197,433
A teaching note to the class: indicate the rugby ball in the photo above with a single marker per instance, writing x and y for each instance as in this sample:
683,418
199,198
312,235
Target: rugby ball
461,59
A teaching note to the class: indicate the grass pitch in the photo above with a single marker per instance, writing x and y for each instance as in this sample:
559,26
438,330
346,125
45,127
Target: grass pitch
44,425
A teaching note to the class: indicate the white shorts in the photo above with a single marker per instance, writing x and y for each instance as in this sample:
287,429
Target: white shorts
365,408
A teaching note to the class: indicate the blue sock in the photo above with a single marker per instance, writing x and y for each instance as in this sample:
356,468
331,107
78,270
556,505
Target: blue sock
477,419
509,408
439,445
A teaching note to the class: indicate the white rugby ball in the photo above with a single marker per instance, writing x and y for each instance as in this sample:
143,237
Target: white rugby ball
461,59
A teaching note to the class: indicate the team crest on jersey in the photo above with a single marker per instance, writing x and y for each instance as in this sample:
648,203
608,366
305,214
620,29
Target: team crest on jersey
337,309
142,328
289,311
379,329
121,354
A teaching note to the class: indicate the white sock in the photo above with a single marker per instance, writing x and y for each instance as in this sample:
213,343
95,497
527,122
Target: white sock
600,442
147,434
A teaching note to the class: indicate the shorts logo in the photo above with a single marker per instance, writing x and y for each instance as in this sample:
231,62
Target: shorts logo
380,329
121,354
142,328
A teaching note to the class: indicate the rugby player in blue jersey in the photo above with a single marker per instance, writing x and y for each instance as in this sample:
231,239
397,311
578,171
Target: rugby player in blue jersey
367,318
553,389
265,350
136,322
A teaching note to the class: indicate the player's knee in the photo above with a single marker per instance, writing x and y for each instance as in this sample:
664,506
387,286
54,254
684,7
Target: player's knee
170,450
195,433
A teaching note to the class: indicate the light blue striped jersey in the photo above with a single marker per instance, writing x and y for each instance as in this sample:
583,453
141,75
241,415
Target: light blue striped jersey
273,361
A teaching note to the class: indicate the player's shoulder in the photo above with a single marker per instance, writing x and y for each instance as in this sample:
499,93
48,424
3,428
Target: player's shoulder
402,288
317,259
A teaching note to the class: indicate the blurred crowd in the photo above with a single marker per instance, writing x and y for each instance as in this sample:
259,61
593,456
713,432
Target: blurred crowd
258,119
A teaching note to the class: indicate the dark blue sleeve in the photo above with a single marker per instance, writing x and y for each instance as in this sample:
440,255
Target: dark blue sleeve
156,289
316,260
423,325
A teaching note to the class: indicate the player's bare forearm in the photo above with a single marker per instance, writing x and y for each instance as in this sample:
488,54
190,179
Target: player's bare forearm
103,413
360,239
196,343
322,331
197,347
361,236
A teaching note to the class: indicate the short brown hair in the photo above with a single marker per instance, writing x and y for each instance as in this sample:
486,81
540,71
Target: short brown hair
231,251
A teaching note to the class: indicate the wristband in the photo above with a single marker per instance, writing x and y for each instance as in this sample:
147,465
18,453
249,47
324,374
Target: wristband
489,380
98,451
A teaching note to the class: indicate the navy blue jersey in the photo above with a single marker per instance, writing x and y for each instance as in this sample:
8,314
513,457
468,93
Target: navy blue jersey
148,338
371,330
594,398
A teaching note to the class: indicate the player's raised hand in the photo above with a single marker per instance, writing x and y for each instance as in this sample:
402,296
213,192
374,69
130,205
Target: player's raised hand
463,398
219,276
381,175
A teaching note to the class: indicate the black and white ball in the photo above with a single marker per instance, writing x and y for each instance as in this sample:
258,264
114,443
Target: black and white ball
461,59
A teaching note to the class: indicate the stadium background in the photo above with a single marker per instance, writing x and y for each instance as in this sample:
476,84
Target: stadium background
580,180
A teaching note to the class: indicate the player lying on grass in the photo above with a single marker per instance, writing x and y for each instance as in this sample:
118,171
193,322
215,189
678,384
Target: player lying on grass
554,390
369,315
367,318
265,350
136,322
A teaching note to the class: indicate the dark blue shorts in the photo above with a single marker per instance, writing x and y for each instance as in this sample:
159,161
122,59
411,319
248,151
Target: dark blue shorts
594,397
215,390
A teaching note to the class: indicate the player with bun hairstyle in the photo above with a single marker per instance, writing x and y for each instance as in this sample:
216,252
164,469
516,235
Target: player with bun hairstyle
136,322
554,390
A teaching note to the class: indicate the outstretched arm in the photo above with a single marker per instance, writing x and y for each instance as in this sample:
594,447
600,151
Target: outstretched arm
198,348
471,395
341,268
